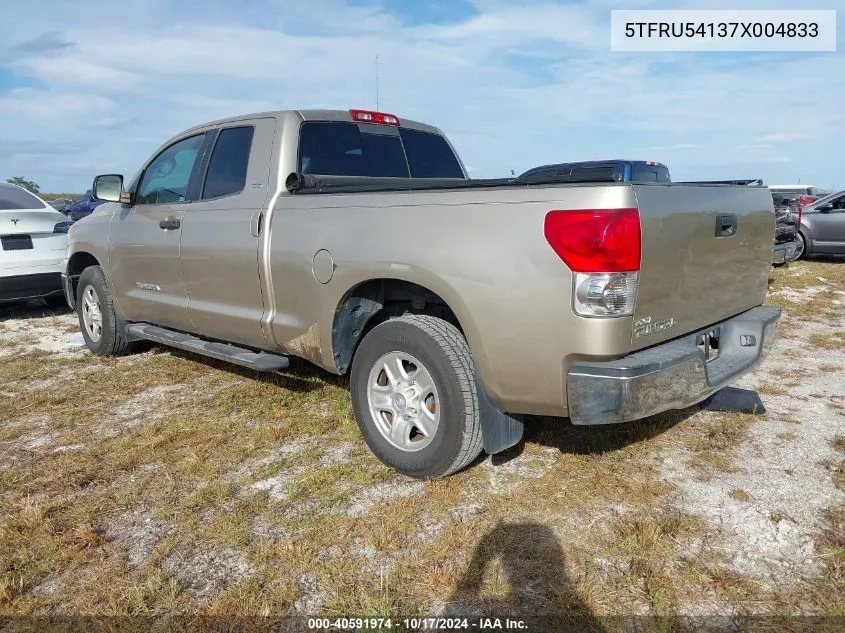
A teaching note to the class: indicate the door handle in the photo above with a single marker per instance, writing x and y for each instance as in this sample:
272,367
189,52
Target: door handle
168,224
725,225
255,225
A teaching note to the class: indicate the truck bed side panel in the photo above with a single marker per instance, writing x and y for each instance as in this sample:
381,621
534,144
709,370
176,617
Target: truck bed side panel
483,252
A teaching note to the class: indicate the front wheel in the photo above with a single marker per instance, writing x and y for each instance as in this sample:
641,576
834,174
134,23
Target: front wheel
414,396
98,318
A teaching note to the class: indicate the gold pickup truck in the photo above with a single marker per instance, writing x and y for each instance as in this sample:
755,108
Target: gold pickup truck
355,240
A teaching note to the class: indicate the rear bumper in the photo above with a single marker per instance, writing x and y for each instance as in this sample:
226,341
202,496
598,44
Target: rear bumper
671,375
785,252
33,286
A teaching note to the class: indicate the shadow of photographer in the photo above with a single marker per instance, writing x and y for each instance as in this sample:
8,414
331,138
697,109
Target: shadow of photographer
529,583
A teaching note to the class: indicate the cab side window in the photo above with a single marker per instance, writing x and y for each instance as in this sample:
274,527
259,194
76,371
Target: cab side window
229,162
165,181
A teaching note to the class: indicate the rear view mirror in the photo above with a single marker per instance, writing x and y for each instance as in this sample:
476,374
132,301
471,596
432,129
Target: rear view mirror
108,188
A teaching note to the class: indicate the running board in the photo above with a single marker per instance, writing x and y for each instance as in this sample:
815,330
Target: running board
260,361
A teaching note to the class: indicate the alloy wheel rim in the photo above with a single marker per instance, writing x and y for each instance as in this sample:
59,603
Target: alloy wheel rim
92,316
403,401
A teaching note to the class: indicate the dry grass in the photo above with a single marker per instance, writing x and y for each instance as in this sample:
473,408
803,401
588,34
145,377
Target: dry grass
163,483
739,494
833,341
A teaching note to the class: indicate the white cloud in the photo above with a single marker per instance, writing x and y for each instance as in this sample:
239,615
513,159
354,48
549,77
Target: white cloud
514,86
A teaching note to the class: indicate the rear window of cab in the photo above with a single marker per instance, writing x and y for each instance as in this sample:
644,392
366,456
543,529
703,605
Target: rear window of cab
337,148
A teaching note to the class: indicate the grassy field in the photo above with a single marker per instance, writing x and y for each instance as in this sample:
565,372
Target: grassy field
166,483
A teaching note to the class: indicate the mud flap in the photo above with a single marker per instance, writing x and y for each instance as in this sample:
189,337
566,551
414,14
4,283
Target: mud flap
499,431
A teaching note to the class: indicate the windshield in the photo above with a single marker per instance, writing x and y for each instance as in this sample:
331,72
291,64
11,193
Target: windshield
332,148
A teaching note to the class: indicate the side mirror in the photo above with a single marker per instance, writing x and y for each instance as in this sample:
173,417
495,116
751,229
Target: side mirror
109,188
825,207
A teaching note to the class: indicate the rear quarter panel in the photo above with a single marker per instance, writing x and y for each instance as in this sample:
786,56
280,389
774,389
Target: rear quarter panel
482,251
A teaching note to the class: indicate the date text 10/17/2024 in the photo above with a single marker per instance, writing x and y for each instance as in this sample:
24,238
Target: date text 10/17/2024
417,624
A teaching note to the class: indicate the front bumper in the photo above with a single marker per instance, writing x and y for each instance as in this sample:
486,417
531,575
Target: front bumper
671,375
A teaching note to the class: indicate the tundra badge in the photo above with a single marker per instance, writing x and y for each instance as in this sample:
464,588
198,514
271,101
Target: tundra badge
646,326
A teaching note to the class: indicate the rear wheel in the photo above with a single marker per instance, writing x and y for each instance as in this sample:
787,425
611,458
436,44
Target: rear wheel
414,395
98,317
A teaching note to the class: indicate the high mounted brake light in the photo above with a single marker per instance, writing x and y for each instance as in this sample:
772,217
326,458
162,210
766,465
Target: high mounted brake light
369,116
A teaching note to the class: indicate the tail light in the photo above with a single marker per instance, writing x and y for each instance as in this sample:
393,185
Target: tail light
798,221
603,248
805,200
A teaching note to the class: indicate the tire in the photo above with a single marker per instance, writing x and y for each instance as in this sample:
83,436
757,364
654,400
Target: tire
105,338
431,351
800,237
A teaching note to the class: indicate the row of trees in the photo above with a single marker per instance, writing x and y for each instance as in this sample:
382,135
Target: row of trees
29,185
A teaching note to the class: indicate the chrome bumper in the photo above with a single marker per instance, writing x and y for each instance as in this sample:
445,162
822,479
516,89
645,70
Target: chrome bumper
67,287
671,375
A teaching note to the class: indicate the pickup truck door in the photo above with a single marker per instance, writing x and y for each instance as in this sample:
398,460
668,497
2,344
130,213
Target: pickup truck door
222,233
144,263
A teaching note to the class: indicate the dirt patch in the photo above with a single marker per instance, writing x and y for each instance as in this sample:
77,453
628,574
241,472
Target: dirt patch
206,570
513,474
768,530
139,533
52,334
387,491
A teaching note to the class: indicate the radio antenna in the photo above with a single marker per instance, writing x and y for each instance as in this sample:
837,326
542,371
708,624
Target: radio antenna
376,83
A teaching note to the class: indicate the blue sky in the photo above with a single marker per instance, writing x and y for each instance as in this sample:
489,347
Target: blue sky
94,86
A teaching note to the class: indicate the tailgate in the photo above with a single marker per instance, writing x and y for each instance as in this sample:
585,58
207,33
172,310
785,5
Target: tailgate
690,277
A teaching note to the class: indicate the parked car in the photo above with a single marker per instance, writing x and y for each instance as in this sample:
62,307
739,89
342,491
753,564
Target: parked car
618,170
82,207
822,225
804,193
788,245
33,237
60,204
353,239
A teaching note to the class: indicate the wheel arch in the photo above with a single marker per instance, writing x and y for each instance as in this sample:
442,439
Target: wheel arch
76,263
372,301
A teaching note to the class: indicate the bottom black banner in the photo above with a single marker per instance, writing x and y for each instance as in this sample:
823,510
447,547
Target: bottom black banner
535,624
